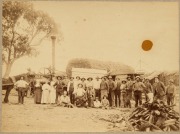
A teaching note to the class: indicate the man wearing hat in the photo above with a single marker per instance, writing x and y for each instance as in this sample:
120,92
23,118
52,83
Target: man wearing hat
97,83
159,90
171,92
59,87
104,88
90,91
129,91
123,88
65,83
148,91
76,82
112,87
117,92
83,83
70,90
138,88
90,83
21,86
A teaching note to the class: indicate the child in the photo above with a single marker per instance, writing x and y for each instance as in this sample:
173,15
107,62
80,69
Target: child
97,103
105,102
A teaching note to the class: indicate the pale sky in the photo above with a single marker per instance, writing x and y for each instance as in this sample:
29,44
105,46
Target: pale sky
110,31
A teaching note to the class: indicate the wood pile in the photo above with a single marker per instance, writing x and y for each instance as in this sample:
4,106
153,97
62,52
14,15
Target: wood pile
155,117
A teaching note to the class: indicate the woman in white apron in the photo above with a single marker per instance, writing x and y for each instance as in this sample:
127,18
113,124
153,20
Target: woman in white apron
45,93
52,91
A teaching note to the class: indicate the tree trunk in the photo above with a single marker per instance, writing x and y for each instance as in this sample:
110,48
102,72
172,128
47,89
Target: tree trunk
8,70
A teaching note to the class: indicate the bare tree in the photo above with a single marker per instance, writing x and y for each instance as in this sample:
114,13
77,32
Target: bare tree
23,28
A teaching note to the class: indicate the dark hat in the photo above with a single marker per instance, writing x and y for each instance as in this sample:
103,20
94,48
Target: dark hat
102,77
83,79
110,77
137,77
59,77
105,96
71,77
80,84
90,78
171,80
124,80
129,77
78,77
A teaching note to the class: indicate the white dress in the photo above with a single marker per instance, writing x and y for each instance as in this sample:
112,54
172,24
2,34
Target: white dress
52,92
45,94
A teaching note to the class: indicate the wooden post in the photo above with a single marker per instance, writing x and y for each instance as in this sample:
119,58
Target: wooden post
53,53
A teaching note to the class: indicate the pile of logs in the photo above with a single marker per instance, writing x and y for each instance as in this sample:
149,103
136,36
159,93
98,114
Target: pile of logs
154,117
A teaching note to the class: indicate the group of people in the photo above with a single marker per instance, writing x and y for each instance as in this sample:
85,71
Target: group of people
99,93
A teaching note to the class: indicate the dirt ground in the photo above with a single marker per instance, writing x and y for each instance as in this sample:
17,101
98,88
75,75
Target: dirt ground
46,118
32,117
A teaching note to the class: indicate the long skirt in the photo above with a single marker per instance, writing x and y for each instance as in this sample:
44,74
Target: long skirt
37,95
45,96
52,95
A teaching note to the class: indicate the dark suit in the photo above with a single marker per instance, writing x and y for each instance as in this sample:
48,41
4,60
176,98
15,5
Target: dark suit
117,94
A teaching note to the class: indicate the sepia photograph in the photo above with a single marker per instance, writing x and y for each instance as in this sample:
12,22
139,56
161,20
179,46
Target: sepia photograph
90,66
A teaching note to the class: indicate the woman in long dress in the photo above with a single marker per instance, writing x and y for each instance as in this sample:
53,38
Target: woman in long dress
37,92
53,91
45,93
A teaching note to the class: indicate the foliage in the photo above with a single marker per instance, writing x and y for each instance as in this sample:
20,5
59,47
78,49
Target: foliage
23,28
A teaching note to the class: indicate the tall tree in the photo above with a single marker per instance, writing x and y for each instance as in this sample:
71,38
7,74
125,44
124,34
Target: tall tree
23,28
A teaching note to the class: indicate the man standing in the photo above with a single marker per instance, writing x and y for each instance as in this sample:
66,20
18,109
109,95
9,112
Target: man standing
112,87
65,83
159,90
117,92
138,89
59,87
83,83
90,91
104,88
148,91
171,92
77,82
32,87
129,90
22,87
70,90
97,83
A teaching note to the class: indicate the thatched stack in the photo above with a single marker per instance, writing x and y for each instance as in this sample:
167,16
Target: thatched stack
112,67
